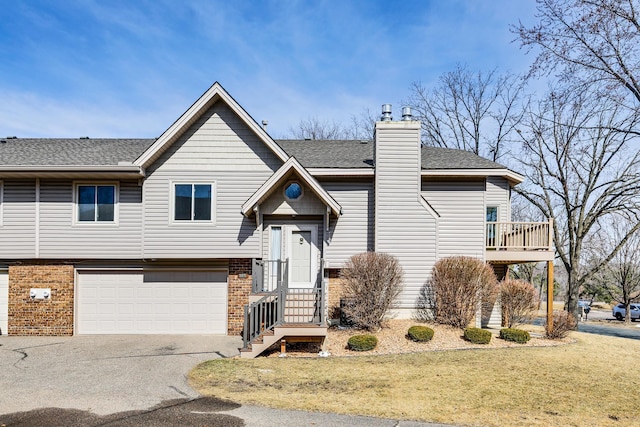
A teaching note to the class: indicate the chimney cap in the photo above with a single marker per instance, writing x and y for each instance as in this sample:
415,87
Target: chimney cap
386,113
406,114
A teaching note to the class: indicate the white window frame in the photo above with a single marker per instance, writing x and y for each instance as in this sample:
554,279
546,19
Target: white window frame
116,203
172,210
1,202
497,212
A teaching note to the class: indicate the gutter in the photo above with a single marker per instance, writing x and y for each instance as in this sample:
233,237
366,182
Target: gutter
59,170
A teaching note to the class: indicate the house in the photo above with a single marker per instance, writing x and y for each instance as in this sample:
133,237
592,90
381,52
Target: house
216,228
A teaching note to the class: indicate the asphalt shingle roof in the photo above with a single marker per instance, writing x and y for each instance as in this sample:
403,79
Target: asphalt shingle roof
329,154
70,152
310,153
358,154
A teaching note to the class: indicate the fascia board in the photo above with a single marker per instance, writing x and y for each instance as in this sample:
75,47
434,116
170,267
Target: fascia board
512,176
341,172
71,169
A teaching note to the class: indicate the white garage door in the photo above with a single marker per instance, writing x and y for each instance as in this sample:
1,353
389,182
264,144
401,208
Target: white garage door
153,302
4,302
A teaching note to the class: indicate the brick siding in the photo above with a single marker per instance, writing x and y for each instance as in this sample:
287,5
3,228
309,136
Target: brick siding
239,290
41,317
335,292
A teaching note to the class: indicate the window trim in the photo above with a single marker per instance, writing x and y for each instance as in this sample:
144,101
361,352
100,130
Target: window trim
172,202
116,203
486,211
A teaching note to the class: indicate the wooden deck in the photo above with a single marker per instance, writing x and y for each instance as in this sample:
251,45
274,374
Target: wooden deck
515,242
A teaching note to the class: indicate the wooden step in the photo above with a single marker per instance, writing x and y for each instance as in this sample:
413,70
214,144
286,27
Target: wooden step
290,332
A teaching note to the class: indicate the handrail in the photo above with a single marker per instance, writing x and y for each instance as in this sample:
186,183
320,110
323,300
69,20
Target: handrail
284,305
262,315
519,235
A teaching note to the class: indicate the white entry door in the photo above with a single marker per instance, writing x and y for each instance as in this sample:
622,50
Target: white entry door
303,257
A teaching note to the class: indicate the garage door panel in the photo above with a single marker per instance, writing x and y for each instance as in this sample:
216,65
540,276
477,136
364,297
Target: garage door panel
181,302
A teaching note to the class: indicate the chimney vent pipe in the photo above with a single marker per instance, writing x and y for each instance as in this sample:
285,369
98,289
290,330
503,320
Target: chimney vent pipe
406,114
386,113
264,124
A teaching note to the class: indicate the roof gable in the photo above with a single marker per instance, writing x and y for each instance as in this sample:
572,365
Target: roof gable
269,185
214,94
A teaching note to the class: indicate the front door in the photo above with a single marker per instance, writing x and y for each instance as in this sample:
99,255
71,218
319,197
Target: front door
302,257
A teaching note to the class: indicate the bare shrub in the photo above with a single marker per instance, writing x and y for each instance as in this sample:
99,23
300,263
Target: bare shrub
372,281
459,284
425,303
519,302
563,323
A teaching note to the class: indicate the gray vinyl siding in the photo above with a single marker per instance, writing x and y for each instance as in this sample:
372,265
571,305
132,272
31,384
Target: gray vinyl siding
18,223
405,228
352,232
497,194
462,216
61,237
218,140
221,150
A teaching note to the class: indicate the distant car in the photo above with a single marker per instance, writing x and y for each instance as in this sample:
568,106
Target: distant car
585,305
619,311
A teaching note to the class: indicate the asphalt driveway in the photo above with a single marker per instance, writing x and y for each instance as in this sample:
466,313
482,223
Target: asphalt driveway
102,374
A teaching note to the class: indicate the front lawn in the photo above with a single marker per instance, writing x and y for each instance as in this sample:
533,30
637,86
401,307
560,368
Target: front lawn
591,382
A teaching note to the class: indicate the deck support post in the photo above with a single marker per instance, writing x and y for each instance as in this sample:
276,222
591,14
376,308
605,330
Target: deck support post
549,296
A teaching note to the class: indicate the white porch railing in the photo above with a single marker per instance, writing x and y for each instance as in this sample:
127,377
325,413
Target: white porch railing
519,235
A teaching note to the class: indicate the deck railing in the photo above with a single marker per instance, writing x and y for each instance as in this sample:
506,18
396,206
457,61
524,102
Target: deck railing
519,235
268,275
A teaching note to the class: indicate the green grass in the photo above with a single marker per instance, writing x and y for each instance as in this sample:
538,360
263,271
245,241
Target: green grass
591,382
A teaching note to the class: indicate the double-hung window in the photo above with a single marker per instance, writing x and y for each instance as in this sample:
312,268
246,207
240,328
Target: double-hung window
193,202
96,203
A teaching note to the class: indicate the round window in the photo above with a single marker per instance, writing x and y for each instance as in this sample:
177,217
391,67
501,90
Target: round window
293,191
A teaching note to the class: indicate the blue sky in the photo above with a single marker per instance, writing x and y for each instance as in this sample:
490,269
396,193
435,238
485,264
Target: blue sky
130,68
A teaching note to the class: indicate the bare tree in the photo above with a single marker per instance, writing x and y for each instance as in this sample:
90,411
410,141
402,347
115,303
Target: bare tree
580,172
360,127
314,128
477,112
587,42
620,277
